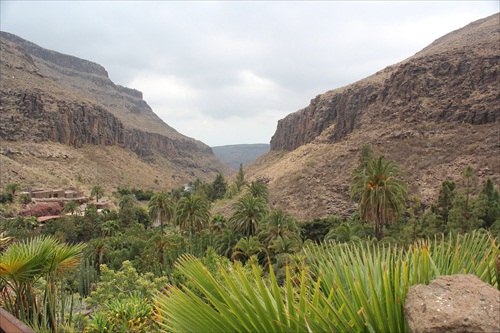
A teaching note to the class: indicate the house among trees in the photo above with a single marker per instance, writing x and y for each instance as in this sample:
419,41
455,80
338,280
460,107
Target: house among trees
60,194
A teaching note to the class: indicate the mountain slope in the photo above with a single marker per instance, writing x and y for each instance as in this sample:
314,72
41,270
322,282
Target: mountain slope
51,101
234,155
433,113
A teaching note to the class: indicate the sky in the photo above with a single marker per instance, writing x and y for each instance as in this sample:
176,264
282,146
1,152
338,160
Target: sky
226,72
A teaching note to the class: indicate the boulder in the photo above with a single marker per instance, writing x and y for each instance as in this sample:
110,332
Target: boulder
43,209
454,303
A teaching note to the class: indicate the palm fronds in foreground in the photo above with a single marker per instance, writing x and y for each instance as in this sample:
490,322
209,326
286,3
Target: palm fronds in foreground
348,288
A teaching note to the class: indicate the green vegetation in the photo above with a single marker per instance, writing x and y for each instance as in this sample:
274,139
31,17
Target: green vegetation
381,195
149,264
353,288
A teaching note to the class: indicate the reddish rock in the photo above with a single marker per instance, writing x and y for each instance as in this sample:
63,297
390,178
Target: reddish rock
43,209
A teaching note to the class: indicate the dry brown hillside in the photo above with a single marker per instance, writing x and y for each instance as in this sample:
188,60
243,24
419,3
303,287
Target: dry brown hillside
433,113
64,123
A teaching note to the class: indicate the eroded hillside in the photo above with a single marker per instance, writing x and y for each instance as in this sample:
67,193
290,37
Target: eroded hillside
54,106
434,114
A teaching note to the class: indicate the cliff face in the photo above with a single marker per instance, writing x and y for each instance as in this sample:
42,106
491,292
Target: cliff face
49,96
449,81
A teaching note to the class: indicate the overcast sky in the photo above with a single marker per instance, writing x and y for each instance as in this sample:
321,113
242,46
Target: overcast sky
226,72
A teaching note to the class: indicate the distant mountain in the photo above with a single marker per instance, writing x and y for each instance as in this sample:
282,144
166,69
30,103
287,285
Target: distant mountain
234,155
434,114
63,122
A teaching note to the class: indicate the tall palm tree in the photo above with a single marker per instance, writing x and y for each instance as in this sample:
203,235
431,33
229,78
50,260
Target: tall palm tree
192,213
161,209
248,213
380,194
127,206
97,191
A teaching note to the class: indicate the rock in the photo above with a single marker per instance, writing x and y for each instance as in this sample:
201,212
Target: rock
453,303
413,91
43,209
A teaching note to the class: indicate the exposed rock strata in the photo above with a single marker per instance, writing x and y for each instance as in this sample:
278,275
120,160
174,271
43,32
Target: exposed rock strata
458,85
49,96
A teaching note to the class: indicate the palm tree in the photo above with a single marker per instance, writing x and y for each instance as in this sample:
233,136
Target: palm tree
226,241
192,213
278,224
248,246
346,233
25,263
71,207
161,209
258,189
91,216
127,209
283,245
381,195
97,191
248,212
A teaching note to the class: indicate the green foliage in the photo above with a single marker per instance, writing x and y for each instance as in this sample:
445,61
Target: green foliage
97,192
489,199
6,197
138,193
161,209
247,247
349,288
317,229
348,232
444,204
25,198
123,284
192,214
133,314
380,193
40,260
249,211
218,188
257,189
368,284
71,207
240,178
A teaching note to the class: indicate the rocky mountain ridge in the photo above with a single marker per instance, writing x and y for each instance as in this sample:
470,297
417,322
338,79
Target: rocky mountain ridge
433,114
47,96
417,89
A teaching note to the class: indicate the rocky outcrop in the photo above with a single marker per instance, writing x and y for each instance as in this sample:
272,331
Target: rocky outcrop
43,209
49,96
456,303
76,125
442,83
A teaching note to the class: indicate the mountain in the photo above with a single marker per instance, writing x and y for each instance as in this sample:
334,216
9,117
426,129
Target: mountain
433,114
63,123
234,155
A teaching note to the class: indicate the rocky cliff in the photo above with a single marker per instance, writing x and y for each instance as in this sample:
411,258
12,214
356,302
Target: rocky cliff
454,80
47,96
434,114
